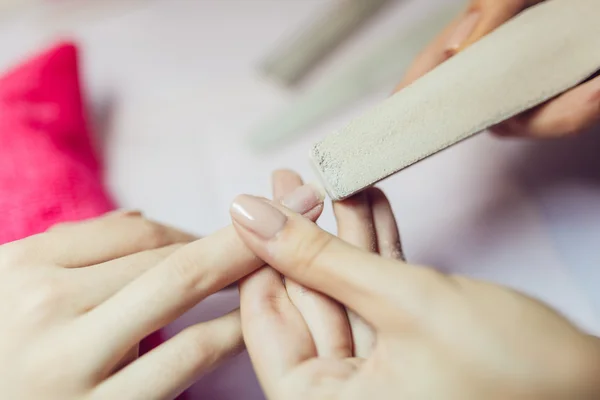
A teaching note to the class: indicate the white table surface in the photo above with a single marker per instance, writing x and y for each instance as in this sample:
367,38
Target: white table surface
174,89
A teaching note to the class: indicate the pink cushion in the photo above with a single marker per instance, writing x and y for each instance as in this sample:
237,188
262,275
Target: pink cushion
49,172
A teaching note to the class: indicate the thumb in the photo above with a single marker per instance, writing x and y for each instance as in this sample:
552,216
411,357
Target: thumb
369,284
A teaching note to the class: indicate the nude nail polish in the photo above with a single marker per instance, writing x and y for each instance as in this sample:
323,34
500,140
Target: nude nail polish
258,216
463,31
304,199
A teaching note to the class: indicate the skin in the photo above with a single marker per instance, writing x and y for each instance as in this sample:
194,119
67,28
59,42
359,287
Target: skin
414,333
417,333
76,301
568,114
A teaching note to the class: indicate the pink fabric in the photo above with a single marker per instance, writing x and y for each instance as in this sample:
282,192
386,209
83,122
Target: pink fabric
49,172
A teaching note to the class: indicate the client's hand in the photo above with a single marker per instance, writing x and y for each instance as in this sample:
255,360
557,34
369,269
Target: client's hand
77,300
570,113
436,336
303,321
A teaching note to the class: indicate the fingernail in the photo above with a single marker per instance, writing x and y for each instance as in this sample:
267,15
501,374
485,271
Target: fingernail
304,199
126,213
257,216
463,31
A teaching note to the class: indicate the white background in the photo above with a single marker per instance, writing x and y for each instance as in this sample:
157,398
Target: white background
173,89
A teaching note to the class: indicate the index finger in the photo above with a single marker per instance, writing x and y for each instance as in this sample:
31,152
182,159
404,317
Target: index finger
165,292
86,243
372,286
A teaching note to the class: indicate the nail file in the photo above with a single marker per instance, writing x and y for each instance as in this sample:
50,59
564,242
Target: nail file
373,70
542,52
298,55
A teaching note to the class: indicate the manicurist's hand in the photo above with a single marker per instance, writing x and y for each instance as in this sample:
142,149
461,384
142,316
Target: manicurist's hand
568,114
76,301
434,336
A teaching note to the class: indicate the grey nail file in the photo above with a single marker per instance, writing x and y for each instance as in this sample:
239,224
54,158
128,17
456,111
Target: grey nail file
297,56
539,54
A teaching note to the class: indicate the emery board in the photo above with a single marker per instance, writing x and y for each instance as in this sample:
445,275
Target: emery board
539,54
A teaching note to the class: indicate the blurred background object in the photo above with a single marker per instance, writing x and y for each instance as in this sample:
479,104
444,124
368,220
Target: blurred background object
298,55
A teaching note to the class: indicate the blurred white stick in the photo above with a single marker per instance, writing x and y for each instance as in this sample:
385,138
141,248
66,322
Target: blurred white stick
298,55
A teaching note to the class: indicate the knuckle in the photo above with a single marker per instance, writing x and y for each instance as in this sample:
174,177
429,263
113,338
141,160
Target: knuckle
157,255
187,273
197,348
41,360
210,345
308,250
278,303
428,296
151,234
43,297
200,343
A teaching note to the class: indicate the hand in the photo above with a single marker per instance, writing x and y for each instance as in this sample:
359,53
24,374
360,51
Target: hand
308,322
568,114
77,300
436,336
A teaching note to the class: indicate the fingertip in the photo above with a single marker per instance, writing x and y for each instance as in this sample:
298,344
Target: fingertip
282,179
376,195
315,213
482,18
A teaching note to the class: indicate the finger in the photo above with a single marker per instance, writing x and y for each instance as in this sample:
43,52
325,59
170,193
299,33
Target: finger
95,241
432,56
355,222
275,333
165,292
483,17
479,19
284,182
326,319
570,113
389,244
175,365
355,225
116,274
365,282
